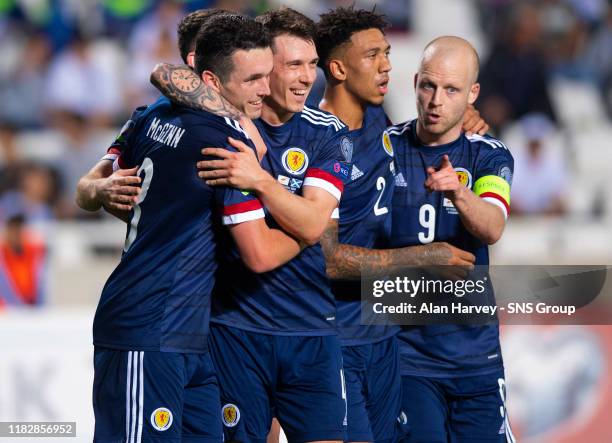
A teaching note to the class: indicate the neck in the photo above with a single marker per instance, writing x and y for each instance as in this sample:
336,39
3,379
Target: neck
274,115
344,105
430,139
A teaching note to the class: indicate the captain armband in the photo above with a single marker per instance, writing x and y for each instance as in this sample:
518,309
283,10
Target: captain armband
495,190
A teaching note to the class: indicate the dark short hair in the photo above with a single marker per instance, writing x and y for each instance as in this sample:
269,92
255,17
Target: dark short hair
223,35
336,27
190,25
288,21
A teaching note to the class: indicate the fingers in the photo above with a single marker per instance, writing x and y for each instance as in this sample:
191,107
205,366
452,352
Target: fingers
127,190
126,172
213,164
126,181
119,206
214,174
129,200
218,152
470,123
219,182
241,146
465,255
441,183
446,163
484,129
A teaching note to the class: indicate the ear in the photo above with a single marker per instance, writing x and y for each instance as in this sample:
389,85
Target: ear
210,79
337,69
191,59
416,79
474,92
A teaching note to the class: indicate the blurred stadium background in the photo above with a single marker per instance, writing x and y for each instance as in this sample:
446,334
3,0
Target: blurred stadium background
72,71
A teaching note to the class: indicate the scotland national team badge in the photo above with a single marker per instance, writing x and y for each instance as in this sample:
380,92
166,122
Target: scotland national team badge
161,419
386,141
346,146
465,177
230,415
295,161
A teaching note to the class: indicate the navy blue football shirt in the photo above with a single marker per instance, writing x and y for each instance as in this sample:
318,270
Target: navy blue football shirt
485,166
294,299
365,218
158,297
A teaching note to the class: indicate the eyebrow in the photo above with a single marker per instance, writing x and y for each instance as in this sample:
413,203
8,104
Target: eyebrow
254,77
298,61
378,49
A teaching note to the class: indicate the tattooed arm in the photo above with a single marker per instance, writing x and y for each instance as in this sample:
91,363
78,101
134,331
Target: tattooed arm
348,262
181,85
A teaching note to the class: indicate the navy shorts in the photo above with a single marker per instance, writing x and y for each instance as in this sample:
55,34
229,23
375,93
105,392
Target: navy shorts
155,396
297,379
373,386
456,410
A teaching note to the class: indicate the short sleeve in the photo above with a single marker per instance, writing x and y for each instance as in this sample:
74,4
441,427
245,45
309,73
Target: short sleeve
493,177
235,205
329,170
118,151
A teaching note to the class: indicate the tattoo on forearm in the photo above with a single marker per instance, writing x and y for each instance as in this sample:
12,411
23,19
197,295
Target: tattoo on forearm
348,262
181,85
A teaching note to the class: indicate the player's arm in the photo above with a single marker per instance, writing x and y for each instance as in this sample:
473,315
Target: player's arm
348,262
261,248
304,217
183,86
482,211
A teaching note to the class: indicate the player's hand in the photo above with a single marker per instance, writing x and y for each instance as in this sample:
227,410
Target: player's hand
448,261
239,169
120,190
473,123
444,179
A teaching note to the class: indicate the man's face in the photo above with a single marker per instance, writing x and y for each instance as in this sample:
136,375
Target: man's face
248,83
295,70
444,88
367,65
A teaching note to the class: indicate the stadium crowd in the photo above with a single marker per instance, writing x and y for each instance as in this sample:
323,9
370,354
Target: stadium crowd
73,71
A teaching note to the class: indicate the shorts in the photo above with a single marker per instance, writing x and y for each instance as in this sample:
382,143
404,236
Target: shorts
373,385
458,410
298,379
143,396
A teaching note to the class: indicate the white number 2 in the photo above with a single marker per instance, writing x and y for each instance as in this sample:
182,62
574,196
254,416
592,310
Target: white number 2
380,186
427,218
147,168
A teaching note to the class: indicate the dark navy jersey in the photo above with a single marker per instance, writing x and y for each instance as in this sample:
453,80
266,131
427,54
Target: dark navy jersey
364,218
158,297
485,166
294,299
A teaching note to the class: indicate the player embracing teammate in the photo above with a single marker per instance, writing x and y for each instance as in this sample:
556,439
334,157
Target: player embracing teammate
274,341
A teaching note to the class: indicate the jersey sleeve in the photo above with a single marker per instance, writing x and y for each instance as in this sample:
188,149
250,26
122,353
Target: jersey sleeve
118,151
236,205
329,170
493,177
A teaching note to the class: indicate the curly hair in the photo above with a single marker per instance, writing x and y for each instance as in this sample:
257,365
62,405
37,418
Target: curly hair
221,36
336,27
288,21
190,25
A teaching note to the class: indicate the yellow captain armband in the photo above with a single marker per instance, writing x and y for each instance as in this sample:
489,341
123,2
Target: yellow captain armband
495,190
